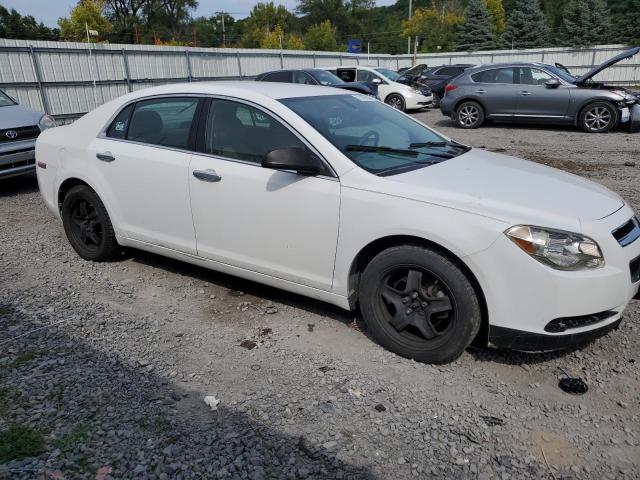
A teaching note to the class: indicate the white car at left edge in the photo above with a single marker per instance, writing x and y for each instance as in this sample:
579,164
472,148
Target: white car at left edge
339,197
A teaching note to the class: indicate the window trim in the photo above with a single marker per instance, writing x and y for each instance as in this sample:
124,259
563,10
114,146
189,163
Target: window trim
202,125
515,72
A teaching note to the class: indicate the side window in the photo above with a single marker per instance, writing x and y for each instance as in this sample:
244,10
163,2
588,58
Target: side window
120,124
495,75
366,76
347,74
163,121
239,131
304,78
533,76
284,77
449,71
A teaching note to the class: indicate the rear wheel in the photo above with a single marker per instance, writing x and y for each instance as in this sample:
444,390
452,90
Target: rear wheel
87,225
469,115
598,117
419,304
396,101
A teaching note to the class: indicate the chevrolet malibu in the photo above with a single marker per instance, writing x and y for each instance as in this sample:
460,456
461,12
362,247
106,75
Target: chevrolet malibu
337,196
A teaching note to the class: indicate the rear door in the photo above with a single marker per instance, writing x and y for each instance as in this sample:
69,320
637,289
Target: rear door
142,168
497,90
536,100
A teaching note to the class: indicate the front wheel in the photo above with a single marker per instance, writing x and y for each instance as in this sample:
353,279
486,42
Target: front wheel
87,225
598,117
419,304
396,101
469,115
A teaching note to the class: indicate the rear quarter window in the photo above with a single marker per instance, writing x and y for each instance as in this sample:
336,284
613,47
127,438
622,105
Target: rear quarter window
120,125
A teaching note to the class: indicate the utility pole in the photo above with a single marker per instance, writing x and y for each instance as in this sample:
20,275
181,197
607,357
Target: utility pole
224,39
409,37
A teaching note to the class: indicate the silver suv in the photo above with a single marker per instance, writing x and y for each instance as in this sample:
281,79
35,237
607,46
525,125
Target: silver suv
540,93
19,128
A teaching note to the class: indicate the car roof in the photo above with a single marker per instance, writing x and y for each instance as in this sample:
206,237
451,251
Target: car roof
507,64
242,88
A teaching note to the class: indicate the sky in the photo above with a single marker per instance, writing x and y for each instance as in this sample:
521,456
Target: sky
48,11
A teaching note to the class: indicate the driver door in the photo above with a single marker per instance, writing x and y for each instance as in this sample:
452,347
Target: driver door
278,223
534,99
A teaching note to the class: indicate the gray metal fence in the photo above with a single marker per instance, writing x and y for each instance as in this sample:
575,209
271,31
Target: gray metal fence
69,79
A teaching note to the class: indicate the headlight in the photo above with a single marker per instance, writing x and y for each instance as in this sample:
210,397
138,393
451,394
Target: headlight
556,248
46,122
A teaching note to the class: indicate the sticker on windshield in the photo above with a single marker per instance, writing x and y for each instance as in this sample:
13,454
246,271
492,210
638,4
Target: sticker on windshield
365,98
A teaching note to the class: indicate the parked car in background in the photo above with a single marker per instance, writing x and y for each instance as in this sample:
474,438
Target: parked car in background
317,76
540,93
338,197
19,128
437,78
399,96
409,75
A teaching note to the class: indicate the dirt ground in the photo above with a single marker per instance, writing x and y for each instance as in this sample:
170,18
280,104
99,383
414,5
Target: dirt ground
116,359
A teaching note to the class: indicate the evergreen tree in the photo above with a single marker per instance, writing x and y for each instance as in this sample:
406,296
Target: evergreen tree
498,17
627,22
526,26
476,31
585,23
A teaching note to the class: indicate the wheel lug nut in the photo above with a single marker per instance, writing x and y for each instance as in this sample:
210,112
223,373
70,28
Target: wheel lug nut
424,304
409,311
414,295
405,299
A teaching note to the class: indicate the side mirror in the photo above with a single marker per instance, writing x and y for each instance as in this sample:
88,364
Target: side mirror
292,158
552,83
377,81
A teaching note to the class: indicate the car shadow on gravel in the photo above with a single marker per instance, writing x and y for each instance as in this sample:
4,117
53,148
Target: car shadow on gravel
70,410
446,122
10,187
237,284
514,357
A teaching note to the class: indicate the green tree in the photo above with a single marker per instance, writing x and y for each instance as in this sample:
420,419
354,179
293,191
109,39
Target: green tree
14,25
321,37
436,28
585,23
498,17
626,21
294,42
526,26
476,31
263,18
86,14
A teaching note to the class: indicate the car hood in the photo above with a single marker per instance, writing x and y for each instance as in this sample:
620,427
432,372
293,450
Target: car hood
612,61
509,189
16,116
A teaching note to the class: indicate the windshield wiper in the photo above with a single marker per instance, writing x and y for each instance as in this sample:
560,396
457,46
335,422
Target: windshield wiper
381,149
428,144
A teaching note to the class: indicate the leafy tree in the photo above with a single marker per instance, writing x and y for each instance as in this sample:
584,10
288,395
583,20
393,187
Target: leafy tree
321,37
498,17
626,21
526,26
584,23
344,15
263,18
475,33
124,15
436,28
294,42
168,18
86,14
14,25
273,39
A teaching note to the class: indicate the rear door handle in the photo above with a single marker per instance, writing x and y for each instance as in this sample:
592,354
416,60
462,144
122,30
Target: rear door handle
481,91
208,175
525,94
105,157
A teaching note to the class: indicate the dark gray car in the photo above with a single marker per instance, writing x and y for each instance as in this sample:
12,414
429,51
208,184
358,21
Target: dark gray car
19,128
540,93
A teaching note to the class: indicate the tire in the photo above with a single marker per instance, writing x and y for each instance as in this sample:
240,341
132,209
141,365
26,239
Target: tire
436,101
598,117
87,225
469,115
396,314
396,101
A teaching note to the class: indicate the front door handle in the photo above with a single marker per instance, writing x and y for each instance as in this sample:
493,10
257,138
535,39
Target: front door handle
208,175
481,91
105,157
525,94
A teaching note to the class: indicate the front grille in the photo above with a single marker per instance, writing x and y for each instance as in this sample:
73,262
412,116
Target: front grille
18,134
567,323
425,91
627,233
22,163
634,267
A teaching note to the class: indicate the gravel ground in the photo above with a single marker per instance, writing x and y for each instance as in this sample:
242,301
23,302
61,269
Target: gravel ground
109,375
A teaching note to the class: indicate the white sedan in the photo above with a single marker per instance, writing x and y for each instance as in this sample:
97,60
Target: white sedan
339,197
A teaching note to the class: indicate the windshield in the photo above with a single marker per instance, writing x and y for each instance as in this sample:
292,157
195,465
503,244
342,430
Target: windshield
373,135
563,74
326,78
390,74
5,100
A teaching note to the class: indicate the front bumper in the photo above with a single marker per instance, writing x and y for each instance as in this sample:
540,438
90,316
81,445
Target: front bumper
17,158
524,297
415,101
